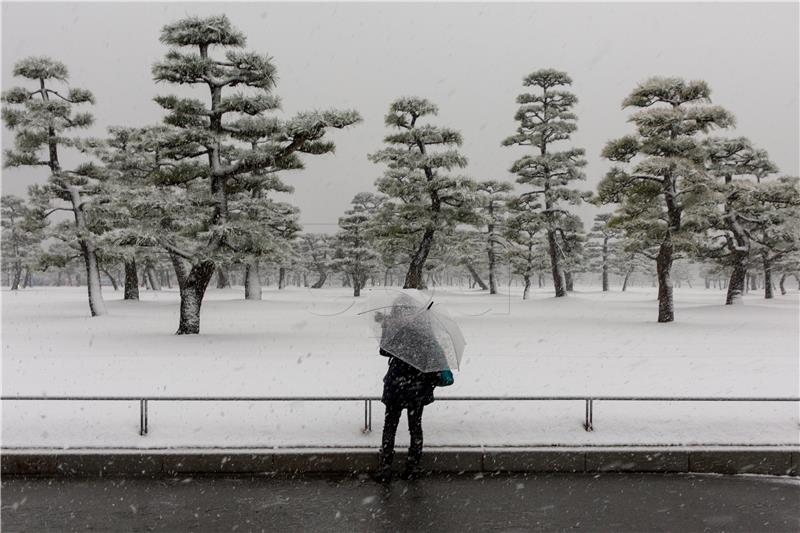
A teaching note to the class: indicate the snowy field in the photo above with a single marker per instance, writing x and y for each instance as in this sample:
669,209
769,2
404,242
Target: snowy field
311,342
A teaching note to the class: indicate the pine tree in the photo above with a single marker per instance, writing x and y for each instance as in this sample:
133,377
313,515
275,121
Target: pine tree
772,212
545,117
665,160
729,161
423,200
571,240
355,255
523,231
316,250
22,235
224,140
42,120
602,246
492,198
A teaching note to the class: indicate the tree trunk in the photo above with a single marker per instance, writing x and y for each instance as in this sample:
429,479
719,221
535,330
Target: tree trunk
155,283
568,281
252,282
527,279
707,282
666,312
476,277
753,283
281,278
768,294
192,289
131,280
540,280
321,281
492,261
222,279
738,280
110,278
96,304
17,276
414,275
555,264
781,284
627,277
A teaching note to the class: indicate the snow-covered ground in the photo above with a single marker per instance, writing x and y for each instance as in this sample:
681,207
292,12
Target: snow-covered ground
311,342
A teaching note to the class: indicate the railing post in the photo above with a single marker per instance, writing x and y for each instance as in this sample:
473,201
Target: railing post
587,424
367,417
142,417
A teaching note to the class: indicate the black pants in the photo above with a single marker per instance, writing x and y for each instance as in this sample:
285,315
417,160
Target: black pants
393,413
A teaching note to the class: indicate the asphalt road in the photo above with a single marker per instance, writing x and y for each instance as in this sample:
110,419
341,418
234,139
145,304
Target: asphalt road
555,502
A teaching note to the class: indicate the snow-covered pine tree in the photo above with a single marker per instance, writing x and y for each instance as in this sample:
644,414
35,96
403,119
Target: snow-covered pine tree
571,240
665,168
42,119
527,251
728,162
268,228
355,255
772,210
214,144
545,116
316,251
601,246
423,201
492,197
22,235
133,208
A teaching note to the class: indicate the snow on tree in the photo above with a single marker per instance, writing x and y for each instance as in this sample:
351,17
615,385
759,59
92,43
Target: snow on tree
571,241
665,169
423,200
772,210
42,119
601,247
22,235
526,250
268,228
316,251
729,162
354,254
224,141
492,197
545,116
134,208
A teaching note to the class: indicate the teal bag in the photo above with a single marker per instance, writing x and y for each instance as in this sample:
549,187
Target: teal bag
444,378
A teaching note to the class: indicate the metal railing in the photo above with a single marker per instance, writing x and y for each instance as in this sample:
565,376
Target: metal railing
588,423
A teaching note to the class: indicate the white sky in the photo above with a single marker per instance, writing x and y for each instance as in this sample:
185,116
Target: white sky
467,58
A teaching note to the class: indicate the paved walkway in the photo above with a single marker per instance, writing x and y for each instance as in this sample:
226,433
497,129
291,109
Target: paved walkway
476,502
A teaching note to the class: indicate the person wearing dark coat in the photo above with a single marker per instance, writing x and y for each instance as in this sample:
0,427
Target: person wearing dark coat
404,387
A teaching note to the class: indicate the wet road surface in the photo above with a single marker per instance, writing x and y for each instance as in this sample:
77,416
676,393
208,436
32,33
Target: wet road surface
509,503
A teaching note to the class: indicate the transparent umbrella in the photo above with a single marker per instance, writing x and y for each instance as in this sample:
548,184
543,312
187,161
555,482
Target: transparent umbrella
415,329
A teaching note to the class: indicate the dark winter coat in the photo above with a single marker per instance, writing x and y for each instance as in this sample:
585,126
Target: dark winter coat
406,386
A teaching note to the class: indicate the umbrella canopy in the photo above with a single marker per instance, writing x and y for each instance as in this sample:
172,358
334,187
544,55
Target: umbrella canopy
415,329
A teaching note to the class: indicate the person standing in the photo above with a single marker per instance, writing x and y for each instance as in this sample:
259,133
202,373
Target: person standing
404,387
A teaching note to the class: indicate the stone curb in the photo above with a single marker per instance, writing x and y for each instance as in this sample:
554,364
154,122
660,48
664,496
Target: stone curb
101,463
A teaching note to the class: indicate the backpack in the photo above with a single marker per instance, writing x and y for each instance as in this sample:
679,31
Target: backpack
444,378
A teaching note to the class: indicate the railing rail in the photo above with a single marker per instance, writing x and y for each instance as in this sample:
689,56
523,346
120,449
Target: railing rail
589,400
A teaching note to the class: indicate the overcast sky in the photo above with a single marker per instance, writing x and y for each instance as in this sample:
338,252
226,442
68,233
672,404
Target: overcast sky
467,58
